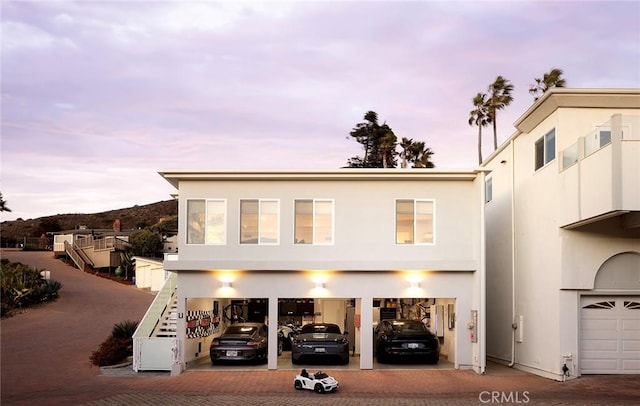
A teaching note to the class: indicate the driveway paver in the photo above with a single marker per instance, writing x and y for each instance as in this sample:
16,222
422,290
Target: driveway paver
45,361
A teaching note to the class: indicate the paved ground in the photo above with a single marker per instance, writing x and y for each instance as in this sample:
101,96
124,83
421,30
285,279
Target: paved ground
45,361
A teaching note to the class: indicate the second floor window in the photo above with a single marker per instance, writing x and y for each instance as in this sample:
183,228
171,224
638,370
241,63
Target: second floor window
313,222
206,221
259,221
414,221
546,149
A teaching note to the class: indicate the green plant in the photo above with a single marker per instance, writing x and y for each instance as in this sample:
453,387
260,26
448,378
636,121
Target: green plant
23,286
124,329
117,347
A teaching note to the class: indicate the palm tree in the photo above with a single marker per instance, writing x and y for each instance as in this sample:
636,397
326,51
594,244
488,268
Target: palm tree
551,79
405,145
421,155
479,116
499,98
3,204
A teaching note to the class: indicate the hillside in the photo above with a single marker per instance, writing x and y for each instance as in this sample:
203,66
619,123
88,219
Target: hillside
130,218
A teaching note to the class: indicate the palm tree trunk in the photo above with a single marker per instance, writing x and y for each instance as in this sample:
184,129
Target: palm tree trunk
495,134
479,144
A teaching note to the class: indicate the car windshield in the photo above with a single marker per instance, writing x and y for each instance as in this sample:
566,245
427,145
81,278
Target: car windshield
240,330
408,326
321,328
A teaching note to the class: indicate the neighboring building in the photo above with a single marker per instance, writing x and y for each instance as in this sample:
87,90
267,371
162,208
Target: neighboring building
92,248
563,236
346,246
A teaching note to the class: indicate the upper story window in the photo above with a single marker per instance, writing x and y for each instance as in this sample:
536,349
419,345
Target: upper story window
546,149
313,221
259,221
206,221
488,190
414,221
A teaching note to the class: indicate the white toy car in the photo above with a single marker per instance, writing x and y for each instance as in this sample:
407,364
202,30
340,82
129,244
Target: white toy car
318,382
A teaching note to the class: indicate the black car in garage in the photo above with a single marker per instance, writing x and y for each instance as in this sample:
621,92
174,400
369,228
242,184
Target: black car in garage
408,340
320,341
241,342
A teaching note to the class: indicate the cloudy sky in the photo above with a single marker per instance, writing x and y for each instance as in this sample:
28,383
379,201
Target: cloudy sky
97,97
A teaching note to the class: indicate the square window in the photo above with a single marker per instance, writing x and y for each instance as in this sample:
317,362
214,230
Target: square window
414,221
259,221
313,221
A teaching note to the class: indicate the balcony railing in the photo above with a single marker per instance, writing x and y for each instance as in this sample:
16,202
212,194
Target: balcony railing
600,173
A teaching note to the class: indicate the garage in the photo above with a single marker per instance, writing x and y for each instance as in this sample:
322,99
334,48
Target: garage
610,335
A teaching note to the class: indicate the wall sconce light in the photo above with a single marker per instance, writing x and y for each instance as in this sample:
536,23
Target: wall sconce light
319,285
226,284
415,284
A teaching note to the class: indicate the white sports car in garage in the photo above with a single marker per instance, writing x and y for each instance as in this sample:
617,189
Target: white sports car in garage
318,382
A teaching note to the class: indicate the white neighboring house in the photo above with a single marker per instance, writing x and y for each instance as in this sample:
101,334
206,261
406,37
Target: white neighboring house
563,236
329,246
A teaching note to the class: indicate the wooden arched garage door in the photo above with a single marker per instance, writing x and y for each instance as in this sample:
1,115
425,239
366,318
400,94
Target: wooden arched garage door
610,335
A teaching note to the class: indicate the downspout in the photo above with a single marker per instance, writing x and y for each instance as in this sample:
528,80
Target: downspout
514,324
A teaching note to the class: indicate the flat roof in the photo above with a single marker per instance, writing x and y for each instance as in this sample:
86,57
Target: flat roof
343,174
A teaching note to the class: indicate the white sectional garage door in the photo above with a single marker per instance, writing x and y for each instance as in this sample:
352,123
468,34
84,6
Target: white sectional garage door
610,335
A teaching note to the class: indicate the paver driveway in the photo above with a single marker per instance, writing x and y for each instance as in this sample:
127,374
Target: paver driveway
45,361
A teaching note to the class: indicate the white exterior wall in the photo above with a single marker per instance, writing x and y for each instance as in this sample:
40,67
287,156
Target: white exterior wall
364,261
552,265
364,226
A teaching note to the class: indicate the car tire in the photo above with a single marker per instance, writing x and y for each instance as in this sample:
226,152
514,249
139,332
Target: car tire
280,347
345,361
318,388
297,384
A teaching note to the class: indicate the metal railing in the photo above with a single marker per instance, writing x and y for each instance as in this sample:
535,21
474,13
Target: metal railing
73,254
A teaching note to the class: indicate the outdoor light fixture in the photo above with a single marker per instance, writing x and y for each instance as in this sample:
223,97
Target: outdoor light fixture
319,285
415,284
226,284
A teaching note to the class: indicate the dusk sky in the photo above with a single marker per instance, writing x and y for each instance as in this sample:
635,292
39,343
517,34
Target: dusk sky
97,97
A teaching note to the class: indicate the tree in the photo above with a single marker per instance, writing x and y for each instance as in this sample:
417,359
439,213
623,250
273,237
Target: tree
499,98
549,80
479,116
3,204
145,243
420,156
405,144
378,141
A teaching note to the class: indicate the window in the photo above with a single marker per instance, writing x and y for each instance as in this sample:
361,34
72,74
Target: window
546,149
414,221
206,221
488,190
259,221
313,222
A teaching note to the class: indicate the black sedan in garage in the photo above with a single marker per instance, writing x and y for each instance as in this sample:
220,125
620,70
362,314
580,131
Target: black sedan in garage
241,342
320,341
408,340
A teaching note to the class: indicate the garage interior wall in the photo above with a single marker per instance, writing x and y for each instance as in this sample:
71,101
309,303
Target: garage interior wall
202,286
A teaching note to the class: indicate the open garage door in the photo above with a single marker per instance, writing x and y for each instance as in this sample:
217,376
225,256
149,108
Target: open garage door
610,335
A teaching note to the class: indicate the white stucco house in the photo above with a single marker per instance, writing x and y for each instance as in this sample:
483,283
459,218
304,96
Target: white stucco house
563,236
532,259
329,246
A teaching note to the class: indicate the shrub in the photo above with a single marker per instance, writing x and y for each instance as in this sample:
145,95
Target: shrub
124,329
112,351
117,347
23,286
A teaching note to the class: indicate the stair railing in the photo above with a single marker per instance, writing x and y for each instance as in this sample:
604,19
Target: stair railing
154,313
